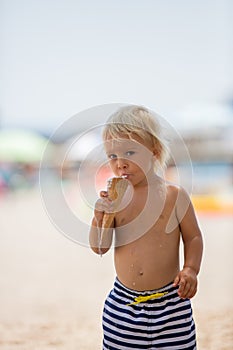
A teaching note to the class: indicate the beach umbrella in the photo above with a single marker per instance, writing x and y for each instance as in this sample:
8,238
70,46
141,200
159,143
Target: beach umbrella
19,145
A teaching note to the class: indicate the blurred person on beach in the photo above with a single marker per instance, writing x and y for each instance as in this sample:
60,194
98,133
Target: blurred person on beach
149,306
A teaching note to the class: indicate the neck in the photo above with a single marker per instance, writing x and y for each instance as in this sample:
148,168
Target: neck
150,179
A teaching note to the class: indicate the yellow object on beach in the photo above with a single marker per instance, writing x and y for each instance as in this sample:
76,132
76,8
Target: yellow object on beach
215,203
141,298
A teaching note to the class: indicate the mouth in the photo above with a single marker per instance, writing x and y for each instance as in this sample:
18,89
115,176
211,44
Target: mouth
125,176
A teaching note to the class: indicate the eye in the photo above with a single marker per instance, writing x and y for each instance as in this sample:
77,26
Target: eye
112,156
129,153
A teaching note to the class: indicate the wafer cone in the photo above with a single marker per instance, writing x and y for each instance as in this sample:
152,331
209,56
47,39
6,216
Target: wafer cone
107,220
116,189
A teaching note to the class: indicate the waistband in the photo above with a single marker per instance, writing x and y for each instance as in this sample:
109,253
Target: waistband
120,288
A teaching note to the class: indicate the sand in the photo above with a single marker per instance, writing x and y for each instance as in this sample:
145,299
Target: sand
52,290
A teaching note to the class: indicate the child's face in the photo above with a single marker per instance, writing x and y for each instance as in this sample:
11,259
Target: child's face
130,158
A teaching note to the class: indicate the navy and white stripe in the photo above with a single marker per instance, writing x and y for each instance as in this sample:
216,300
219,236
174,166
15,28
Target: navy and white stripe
165,323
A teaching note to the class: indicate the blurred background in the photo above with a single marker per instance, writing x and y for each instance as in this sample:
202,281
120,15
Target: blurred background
60,58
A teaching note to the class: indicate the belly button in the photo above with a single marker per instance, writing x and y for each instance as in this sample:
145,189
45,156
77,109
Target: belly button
141,273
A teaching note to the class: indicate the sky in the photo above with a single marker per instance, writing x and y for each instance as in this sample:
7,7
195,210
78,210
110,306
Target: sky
61,57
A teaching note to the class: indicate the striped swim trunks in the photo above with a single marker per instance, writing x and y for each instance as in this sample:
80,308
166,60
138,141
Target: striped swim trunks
143,320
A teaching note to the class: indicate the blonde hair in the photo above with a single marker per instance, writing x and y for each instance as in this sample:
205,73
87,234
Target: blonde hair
137,120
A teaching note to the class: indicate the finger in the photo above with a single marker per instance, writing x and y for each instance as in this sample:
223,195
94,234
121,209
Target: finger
103,205
181,289
176,281
192,291
99,205
103,194
185,293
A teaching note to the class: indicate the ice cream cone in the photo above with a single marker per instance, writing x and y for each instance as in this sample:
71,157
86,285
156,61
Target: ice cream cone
116,189
107,220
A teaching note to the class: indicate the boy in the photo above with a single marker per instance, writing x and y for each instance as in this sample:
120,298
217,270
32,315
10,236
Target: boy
149,306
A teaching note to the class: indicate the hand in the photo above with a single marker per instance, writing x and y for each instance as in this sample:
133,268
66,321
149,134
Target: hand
187,282
103,205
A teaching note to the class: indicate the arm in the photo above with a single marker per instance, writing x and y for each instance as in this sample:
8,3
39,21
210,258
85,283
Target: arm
193,246
100,239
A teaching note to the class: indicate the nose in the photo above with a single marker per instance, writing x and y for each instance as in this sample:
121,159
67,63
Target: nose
122,163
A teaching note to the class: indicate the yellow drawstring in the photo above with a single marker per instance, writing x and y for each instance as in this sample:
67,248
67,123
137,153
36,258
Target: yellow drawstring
141,298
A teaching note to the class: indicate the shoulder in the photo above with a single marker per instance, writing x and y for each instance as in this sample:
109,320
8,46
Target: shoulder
175,190
175,194
179,197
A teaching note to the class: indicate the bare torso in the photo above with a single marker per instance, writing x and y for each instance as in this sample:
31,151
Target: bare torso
147,239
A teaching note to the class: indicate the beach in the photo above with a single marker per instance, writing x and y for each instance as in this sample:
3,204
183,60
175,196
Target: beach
52,290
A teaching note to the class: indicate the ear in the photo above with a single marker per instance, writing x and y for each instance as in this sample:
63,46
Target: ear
156,152
154,156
